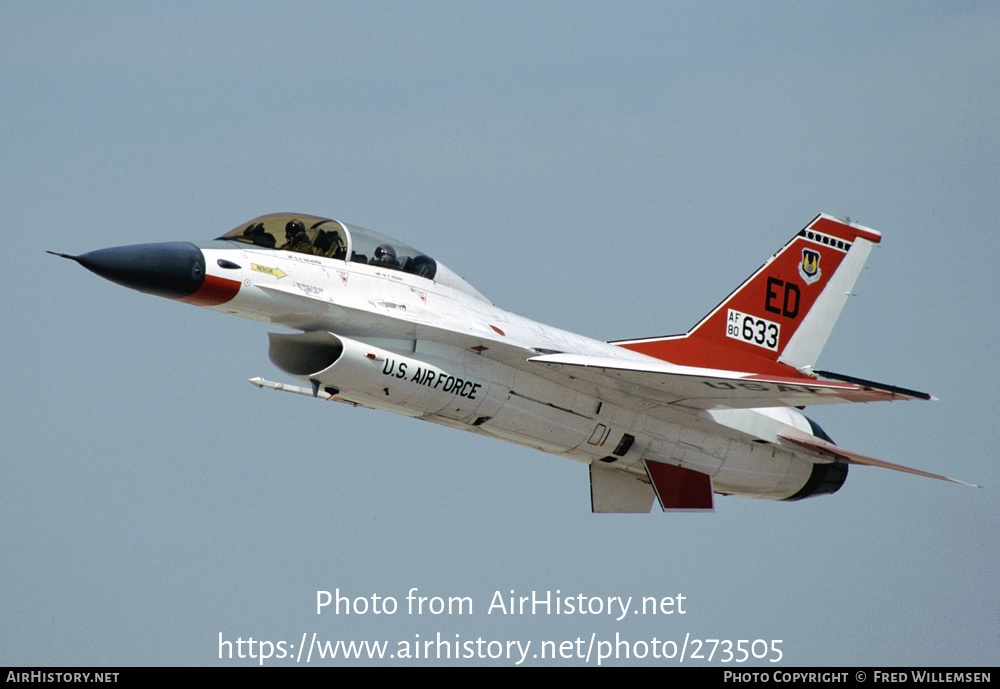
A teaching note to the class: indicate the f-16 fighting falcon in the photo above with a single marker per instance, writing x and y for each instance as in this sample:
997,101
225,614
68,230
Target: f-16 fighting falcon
676,419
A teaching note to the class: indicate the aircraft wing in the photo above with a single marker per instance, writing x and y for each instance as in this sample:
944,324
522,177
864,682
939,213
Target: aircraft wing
648,381
702,388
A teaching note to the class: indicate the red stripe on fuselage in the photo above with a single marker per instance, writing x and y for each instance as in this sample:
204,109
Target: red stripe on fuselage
213,291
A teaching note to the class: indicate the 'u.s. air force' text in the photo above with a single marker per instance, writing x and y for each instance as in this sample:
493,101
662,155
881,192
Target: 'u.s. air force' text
432,378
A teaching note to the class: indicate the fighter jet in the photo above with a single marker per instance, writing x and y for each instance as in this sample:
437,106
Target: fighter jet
673,419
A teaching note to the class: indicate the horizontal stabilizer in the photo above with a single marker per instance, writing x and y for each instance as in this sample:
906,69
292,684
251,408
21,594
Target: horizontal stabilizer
680,489
616,492
831,450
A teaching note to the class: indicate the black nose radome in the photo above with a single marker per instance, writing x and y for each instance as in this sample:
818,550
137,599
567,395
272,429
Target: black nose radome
167,269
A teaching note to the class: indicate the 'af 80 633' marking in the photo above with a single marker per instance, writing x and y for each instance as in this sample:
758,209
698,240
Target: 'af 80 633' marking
756,331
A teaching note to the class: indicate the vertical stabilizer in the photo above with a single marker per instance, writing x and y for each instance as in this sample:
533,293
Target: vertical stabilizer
778,320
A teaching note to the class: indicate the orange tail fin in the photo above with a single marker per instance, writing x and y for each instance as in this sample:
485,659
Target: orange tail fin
778,320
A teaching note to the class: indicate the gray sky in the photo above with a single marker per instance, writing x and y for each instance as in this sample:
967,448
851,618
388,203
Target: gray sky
610,169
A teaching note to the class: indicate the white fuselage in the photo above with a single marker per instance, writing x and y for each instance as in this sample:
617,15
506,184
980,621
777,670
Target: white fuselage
441,352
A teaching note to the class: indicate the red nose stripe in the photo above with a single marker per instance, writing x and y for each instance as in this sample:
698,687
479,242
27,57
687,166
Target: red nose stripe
213,291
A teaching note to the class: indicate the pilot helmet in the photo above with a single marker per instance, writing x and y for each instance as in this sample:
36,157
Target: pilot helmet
385,252
294,228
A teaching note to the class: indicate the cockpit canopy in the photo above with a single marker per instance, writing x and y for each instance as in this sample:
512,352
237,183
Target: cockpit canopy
307,234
